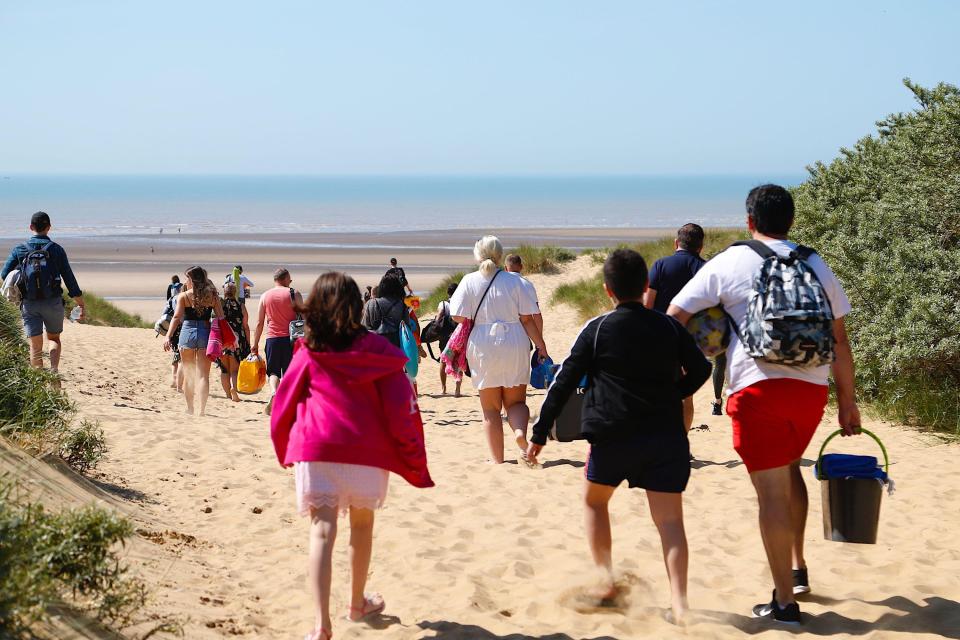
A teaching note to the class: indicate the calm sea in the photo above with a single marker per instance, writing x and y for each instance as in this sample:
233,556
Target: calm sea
104,205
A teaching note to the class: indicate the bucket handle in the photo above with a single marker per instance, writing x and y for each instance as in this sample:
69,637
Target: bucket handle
886,459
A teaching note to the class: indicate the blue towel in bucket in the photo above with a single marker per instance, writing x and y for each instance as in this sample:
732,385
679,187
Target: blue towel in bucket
843,465
541,373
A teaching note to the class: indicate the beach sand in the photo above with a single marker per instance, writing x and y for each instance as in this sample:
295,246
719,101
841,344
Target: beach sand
492,552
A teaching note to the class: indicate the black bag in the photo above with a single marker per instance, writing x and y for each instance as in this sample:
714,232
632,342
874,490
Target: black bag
568,426
297,330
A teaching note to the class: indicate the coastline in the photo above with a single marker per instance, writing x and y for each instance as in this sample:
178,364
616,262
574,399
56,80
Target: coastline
133,271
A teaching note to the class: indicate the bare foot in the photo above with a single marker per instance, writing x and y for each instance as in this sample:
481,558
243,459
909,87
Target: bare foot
235,396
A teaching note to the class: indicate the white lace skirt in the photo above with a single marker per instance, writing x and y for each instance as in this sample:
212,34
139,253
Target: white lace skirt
339,485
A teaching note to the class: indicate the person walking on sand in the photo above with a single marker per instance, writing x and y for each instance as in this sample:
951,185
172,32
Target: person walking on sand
236,316
174,287
278,308
514,264
243,283
500,311
394,270
195,307
641,364
445,328
386,312
344,417
776,408
669,275
43,270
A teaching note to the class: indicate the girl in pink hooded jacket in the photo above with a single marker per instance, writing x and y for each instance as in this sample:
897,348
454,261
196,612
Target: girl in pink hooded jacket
344,416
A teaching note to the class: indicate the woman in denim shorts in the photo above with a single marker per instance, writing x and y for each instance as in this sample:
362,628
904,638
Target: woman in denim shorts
195,307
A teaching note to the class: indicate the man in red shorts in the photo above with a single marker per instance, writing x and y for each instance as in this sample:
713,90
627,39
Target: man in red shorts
775,408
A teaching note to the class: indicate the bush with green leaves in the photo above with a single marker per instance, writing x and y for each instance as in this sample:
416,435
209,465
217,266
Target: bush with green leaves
49,558
886,216
83,446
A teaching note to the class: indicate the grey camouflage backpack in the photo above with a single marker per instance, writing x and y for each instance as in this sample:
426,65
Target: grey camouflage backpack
789,320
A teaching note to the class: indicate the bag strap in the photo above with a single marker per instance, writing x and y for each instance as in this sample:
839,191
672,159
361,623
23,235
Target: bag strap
803,253
759,247
293,301
484,297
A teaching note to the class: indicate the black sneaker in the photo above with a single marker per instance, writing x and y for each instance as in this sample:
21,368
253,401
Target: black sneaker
801,583
717,407
789,614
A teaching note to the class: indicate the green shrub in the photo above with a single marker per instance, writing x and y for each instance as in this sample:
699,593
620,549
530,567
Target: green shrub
438,294
587,295
48,558
82,447
33,411
546,259
103,313
886,217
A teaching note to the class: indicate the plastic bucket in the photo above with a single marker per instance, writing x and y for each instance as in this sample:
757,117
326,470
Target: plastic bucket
851,506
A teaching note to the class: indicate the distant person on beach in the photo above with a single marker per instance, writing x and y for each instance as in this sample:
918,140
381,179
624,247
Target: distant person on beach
43,270
278,308
446,326
344,417
775,408
244,286
669,275
195,307
394,270
236,316
500,310
174,287
641,365
514,264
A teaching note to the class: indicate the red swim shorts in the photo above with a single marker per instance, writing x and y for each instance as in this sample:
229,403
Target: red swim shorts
774,421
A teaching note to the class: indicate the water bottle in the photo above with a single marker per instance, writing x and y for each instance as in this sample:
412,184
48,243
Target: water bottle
75,314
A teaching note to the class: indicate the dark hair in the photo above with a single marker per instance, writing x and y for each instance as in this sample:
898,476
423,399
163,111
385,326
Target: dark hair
513,260
332,313
770,209
280,274
390,287
40,221
625,273
452,288
239,268
175,279
393,261
690,237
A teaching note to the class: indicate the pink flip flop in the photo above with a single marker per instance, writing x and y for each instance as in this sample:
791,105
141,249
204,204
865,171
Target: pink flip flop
373,603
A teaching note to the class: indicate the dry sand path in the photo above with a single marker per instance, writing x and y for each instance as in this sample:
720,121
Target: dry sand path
491,552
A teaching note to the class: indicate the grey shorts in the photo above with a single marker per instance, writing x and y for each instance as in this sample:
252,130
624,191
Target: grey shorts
40,314
195,334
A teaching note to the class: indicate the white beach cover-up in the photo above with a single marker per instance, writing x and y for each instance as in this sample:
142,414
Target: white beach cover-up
499,349
339,485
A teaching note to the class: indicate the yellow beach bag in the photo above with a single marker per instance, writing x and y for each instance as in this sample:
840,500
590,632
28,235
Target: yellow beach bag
252,375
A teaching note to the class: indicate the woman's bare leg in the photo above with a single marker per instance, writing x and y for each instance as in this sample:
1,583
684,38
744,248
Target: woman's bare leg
234,366
225,374
203,381
597,517
323,533
491,401
518,414
188,366
361,549
176,370
666,509
443,378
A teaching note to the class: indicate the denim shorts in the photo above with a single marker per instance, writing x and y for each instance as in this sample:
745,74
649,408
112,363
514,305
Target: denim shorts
38,314
195,334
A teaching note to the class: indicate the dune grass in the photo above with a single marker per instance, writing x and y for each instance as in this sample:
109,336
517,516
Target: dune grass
103,313
546,259
587,295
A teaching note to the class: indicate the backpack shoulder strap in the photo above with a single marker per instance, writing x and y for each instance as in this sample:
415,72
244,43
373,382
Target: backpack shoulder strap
759,247
803,252
293,302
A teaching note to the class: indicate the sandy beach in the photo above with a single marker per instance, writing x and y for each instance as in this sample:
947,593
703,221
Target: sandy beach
146,262
490,552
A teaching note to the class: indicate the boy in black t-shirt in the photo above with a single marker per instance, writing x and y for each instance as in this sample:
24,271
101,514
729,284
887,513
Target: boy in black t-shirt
398,272
640,365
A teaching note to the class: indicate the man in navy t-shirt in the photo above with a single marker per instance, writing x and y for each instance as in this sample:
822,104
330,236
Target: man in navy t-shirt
671,274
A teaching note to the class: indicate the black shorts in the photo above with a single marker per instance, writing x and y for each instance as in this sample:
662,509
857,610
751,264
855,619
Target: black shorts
279,352
654,462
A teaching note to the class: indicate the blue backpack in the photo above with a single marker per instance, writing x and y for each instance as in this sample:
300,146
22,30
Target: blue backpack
38,279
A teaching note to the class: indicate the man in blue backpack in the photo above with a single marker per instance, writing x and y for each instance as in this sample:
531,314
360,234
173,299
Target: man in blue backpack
43,268
788,311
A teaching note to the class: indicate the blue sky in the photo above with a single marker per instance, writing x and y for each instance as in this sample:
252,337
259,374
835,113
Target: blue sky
440,87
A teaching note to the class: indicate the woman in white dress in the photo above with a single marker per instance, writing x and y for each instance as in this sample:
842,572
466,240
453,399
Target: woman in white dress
498,351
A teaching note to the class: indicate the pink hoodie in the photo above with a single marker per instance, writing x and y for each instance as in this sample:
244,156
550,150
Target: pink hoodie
354,406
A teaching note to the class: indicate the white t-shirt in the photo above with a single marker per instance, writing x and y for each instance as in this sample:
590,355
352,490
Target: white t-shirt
245,284
507,300
531,290
727,280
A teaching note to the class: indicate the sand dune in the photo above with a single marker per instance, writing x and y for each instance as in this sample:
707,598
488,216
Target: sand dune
491,552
